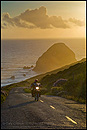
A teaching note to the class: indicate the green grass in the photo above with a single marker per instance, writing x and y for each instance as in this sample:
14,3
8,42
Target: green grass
79,100
75,86
27,90
3,97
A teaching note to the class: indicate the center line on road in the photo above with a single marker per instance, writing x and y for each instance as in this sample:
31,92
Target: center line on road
41,101
52,107
70,119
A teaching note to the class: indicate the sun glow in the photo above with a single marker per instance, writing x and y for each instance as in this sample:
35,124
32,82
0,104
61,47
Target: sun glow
60,19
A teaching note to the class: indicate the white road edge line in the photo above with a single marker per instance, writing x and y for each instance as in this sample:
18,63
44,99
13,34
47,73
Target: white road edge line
41,101
70,119
52,107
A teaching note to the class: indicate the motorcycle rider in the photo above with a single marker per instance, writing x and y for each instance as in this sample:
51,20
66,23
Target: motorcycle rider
34,85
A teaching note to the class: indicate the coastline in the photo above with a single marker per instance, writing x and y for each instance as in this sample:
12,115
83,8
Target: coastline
13,82
39,46
20,76
27,82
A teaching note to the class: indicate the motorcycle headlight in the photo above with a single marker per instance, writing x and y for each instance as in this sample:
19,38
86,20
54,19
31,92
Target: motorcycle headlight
37,87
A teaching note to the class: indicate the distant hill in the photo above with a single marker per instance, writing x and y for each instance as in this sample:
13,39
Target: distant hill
58,55
75,87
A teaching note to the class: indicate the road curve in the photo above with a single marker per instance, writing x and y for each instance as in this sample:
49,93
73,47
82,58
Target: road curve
20,111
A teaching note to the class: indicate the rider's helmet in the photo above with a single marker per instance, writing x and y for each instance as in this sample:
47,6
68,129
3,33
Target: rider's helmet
36,80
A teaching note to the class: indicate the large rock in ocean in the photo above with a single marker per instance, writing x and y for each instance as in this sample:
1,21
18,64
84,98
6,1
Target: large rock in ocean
57,56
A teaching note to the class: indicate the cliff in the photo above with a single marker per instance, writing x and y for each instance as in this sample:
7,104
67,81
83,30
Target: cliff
55,57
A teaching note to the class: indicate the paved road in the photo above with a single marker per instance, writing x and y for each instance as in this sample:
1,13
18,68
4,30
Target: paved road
20,111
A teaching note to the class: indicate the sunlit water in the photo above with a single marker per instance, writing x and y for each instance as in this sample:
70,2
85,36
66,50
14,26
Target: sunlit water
15,54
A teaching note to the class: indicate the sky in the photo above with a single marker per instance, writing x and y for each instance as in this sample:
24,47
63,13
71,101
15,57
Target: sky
43,19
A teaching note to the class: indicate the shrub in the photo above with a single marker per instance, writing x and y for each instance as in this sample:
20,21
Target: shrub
55,90
3,97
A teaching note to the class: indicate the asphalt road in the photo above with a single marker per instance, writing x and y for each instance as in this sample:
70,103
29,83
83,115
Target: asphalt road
20,111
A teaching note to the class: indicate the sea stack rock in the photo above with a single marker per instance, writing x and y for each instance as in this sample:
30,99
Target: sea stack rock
57,56
12,77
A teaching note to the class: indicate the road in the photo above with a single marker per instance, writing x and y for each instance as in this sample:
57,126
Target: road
20,111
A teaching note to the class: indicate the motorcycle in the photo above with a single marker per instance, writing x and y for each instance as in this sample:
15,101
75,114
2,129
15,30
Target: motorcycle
37,93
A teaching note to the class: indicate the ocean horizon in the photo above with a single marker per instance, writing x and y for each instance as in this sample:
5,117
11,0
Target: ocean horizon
17,53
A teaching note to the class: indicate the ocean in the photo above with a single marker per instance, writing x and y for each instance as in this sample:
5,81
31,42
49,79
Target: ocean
15,54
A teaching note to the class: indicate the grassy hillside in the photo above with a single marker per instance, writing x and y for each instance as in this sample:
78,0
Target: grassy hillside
30,80
74,88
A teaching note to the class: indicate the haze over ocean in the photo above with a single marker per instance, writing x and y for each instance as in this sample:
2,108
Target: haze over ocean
15,54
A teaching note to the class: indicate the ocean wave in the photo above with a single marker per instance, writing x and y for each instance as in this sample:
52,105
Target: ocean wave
6,82
27,53
10,69
18,77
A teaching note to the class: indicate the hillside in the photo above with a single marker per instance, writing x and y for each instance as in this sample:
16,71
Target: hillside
74,88
58,55
73,72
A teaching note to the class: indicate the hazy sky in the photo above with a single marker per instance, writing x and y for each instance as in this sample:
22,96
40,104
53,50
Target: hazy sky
42,19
